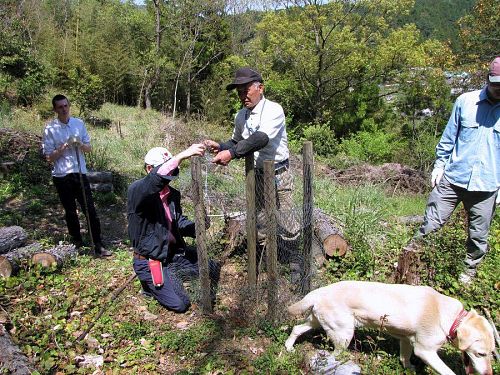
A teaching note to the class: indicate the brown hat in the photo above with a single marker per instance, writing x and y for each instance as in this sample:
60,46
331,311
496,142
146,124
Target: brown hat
243,76
494,74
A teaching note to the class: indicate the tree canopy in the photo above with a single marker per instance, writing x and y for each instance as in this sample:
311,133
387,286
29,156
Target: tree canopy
333,65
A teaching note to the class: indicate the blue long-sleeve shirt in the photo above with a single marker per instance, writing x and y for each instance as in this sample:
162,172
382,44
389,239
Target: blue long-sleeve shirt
469,149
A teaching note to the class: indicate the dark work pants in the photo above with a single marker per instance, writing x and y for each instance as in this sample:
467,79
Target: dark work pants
70,191
172,294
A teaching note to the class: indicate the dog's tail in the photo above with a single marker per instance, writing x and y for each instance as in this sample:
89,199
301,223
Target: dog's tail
299,308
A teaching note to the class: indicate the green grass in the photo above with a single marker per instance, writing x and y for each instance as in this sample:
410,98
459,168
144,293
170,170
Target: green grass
50,308
339,200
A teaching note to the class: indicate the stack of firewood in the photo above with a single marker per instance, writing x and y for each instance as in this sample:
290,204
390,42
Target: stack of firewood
14,252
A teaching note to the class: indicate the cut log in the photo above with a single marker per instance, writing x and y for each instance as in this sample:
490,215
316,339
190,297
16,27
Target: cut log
329,233
11,261
56,256
12,359
11,238
234,232
102,187
329,238
96,177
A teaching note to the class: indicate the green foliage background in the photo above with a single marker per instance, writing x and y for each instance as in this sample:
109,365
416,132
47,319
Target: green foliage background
353,77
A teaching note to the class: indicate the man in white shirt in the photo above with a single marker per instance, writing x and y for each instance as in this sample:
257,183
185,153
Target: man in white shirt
259,127
63,138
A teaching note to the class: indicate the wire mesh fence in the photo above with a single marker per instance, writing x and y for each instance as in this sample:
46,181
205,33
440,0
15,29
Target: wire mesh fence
277,198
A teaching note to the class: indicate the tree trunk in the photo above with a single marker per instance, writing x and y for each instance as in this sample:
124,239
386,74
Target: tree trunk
234,232
11,238
188,94
56,256
156,75
330,234
11,262
409,266
12,360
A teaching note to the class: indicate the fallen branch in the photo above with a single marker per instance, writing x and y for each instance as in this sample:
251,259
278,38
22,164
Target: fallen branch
105,307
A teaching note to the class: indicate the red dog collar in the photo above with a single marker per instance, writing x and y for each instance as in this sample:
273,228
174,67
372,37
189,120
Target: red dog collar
452,335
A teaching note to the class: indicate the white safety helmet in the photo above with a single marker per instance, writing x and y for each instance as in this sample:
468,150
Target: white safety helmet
157,156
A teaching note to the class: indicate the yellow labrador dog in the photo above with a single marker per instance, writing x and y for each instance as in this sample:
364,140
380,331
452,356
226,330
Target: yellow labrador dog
421,318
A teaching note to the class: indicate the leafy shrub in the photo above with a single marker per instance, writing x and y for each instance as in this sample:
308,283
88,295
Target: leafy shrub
286,92
87,89
33,84
420,145
23,77
374,147
98,159
214,98
323,139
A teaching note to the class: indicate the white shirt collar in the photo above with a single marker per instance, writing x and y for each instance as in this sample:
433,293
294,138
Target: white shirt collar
62,123
258,107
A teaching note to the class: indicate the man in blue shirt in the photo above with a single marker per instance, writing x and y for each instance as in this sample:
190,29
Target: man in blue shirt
467,168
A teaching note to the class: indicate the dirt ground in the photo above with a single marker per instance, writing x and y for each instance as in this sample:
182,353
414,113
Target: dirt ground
48,222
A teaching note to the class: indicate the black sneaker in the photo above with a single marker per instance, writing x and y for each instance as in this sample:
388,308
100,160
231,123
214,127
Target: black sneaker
101,252
78,243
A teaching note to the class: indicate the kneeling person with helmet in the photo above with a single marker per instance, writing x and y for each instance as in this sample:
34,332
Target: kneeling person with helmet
156,227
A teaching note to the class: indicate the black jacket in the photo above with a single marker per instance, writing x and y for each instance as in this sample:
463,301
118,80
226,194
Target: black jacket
147,223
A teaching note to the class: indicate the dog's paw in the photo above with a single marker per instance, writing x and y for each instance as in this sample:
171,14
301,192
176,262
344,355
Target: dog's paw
289,347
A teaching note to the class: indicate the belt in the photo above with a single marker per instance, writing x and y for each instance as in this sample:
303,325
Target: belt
279,167
136,255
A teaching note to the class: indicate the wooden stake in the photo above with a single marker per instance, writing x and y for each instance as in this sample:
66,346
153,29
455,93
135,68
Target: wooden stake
307,211
251,221
271,239
201,234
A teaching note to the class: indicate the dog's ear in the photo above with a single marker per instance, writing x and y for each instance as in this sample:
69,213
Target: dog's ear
464,337
470,330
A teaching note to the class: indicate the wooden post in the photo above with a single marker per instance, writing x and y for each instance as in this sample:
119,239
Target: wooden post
308,168
201,243
251,221
271,238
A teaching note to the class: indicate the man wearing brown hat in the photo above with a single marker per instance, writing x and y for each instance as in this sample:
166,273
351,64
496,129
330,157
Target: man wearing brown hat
259,128
467,168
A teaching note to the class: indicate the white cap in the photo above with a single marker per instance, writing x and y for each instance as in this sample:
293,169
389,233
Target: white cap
494,74
157,156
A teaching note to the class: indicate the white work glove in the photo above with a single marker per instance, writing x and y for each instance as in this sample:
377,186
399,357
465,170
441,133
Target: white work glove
436,176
